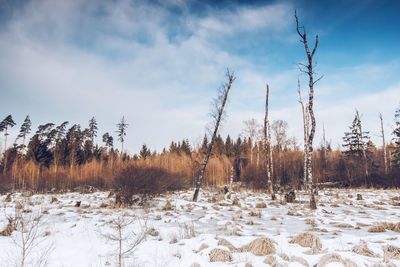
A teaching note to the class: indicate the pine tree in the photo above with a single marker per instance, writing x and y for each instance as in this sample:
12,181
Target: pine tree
204,145
92,131
8,122
144,152
25,130
108,140
121,131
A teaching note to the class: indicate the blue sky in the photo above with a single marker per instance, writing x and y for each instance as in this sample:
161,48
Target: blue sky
159,63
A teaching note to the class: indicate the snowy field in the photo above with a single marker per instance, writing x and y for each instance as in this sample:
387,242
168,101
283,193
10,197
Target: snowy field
215,231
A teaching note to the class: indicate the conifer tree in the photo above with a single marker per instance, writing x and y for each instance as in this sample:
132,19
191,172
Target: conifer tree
356,143
144,152
108,140
8,122
92,131
25,130
396,133
121,131
185,147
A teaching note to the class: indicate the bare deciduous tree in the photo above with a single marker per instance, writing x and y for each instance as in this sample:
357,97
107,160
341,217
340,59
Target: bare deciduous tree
217,114
306,122
251,130
308,68
29,237
267,146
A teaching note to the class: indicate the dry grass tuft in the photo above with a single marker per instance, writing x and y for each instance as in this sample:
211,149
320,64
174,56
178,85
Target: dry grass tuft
261,205
309,240
10,227
377,229
270,260
153,232
362,249
391,252
168,205
335,258
299,260
220,255
226,243
260,247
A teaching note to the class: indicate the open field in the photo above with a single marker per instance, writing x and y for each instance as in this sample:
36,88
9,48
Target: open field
352,232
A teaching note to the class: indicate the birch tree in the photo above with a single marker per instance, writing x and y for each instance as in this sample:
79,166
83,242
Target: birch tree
306,122
267,146
308,69
217,115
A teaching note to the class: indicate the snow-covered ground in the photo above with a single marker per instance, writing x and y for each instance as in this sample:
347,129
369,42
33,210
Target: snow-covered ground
188,232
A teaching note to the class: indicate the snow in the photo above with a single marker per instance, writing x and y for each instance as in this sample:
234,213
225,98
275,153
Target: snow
77,234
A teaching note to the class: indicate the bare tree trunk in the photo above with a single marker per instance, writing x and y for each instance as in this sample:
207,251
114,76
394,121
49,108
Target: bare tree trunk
267,147
304,110
308,69
383,145
220,105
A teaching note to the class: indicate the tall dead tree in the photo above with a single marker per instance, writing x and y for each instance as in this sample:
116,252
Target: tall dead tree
383,145
306,122
267,147
308,68
217,115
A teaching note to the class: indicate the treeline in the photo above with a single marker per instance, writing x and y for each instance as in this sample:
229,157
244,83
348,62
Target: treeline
66,156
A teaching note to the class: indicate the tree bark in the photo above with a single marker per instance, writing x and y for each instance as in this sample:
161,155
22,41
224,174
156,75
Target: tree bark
267,147
383,145
218,117
308,69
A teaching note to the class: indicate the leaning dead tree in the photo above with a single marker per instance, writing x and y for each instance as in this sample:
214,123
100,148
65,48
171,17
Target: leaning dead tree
308,68
217,115
267,147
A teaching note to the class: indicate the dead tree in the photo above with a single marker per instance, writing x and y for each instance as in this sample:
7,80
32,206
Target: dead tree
306,122
267,147
217,114
308,68
383,145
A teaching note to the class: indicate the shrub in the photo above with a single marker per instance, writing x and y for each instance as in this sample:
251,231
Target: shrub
145,181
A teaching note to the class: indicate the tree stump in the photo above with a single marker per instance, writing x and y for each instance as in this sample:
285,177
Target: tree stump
359,197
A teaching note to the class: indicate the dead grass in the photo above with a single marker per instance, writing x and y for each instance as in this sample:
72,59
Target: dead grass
300,260
362,249
220,255
9,229
271,260
261,205
167,206
391,252
226,243
260,247
333,258
377,229
309,240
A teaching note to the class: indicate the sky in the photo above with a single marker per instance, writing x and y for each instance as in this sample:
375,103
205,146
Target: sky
160,63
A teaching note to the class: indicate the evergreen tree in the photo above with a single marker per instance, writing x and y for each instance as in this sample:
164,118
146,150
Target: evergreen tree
229,151
25,130
204,145
8,122
356,140
92,131
39,146
121,131
108,141
74,140
185,147
60,145
357,146
396,133
144,152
